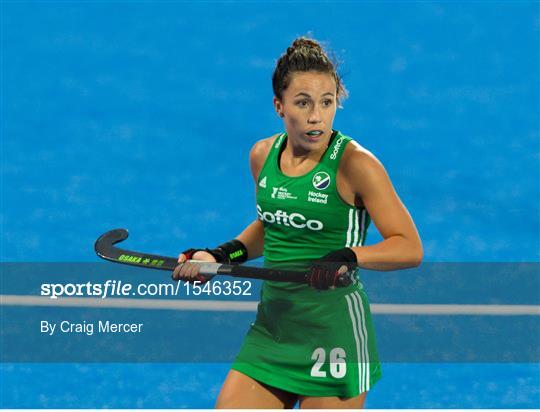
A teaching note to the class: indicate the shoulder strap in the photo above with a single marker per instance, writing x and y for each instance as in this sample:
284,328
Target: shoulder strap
271,159
336,149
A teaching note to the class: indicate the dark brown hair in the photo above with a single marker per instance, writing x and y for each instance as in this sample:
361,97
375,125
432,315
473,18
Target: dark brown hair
305,55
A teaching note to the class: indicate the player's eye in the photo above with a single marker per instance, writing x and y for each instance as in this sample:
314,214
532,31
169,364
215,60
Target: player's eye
302,103
327,102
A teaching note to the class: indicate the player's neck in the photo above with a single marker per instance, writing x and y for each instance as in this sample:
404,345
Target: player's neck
297,155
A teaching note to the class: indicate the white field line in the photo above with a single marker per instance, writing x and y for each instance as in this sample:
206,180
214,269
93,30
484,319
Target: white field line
236,306
122,303
428,309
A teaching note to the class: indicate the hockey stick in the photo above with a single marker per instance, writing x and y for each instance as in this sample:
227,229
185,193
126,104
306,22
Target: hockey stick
105,249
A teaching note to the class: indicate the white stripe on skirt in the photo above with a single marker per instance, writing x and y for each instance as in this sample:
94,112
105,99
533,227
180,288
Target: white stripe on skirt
356,338
360,337
365,347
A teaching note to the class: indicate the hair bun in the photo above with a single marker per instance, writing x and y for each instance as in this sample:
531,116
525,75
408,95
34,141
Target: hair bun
303,43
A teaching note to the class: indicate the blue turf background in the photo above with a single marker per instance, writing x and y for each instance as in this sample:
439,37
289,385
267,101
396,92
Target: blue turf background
141,115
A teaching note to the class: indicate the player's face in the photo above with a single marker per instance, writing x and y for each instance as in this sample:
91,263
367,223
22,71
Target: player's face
308,107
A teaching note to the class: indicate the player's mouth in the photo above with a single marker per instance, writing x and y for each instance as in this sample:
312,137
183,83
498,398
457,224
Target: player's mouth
314,135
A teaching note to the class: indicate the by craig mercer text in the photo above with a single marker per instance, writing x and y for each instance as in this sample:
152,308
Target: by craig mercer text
118,288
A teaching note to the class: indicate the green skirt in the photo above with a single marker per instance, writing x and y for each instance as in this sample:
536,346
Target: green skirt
312,343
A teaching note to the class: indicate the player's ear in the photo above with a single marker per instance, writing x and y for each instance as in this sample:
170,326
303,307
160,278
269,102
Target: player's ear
278,106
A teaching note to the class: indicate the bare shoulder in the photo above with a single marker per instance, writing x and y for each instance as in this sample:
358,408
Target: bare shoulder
258,154
261,148
357,161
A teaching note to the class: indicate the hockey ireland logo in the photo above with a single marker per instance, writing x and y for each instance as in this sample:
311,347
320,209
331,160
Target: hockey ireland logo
321,180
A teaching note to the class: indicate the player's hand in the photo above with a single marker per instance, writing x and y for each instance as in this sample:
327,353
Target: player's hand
189,272
325,272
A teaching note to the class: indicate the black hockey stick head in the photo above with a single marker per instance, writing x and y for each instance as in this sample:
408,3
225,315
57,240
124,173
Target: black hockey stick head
104,244
105,248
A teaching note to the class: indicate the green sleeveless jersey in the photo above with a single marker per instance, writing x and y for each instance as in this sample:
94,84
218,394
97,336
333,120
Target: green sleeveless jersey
299,329
304,216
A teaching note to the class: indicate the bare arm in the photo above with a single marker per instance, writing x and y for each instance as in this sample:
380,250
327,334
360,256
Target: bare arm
253,239
369,182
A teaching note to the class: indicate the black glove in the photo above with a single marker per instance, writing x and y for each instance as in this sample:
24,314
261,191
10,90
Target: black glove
325,272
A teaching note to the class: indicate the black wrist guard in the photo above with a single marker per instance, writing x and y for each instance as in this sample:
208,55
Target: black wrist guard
233,251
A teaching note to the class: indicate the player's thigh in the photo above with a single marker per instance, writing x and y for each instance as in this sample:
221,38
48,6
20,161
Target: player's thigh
241,391
332,402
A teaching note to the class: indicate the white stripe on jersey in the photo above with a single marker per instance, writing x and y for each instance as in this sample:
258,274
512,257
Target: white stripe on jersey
349,229
355,228
362,228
